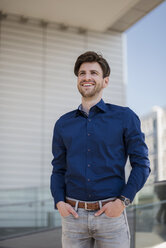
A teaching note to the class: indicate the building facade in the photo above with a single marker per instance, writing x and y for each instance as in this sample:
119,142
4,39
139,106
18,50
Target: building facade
37,85
154,127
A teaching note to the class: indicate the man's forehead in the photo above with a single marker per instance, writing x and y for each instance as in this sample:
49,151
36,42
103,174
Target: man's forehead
90,66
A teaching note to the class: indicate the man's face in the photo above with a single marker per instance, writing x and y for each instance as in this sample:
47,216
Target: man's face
90,81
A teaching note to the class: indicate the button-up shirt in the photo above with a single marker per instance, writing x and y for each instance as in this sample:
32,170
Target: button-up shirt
90,154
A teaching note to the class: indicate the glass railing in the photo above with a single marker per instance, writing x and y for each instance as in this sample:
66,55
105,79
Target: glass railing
150,225
26,211
147,217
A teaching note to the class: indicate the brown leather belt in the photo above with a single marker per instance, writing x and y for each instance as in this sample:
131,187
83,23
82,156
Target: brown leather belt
88,205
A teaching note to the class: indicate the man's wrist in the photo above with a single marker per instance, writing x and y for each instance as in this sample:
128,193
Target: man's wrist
120,202
59,203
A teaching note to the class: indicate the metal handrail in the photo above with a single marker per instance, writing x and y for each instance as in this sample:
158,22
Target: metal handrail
51,200
134,206
26,203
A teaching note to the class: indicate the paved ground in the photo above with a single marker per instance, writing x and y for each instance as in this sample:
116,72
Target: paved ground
49,239
52,239
149,240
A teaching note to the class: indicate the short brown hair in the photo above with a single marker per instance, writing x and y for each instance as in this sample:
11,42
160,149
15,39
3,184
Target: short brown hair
92,57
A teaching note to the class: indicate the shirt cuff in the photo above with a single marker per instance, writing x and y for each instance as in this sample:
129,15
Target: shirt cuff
58,199
129,192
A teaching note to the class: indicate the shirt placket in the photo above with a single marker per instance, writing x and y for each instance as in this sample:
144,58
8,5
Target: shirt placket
89,179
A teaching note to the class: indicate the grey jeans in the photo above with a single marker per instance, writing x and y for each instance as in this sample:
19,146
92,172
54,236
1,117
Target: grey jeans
89,231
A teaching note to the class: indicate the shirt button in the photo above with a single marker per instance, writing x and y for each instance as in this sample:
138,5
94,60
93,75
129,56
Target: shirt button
88,165
88,150
89,119
88,180
88,134
89,196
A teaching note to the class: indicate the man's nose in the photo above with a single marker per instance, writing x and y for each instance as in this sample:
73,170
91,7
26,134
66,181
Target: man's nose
87,76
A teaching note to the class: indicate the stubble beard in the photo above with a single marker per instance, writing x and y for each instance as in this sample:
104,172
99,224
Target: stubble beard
95,91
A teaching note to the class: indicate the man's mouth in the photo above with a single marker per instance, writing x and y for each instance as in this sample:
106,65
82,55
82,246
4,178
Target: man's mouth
87,84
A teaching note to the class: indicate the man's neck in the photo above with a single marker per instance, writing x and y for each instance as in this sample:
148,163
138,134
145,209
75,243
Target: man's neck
88,103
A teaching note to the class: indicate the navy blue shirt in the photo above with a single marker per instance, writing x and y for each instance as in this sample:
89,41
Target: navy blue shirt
90,153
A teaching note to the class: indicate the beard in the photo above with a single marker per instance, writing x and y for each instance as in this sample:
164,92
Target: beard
91,92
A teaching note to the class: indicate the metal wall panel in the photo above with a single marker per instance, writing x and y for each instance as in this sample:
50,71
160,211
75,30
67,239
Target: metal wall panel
37,85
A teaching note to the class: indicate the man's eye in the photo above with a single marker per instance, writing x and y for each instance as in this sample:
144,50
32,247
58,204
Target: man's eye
81,73
93,72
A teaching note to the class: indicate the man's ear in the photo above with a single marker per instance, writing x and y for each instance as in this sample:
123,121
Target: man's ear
106,81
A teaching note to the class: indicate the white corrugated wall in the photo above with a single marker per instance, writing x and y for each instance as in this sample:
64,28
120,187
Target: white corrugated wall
37,85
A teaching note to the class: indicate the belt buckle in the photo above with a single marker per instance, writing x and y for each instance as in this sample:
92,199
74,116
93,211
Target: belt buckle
86,206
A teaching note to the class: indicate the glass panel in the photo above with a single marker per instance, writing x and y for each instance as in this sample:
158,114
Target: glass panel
31,210
26,211
150,216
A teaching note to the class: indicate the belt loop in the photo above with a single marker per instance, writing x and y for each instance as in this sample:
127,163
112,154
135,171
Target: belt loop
100,204
76,205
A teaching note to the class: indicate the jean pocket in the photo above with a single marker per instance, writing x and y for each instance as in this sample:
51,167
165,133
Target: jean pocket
66,217
109,217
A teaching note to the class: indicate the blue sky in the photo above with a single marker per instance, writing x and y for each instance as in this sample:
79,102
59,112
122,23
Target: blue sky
146,59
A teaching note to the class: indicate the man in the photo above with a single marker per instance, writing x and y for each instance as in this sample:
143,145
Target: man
90,148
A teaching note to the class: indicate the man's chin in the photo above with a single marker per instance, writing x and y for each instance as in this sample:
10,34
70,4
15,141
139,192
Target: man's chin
87,95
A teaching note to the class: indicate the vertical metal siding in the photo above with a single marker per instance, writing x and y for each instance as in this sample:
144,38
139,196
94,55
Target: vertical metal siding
37,85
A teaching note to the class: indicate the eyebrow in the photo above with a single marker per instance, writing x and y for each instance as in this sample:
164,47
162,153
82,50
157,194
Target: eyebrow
90,71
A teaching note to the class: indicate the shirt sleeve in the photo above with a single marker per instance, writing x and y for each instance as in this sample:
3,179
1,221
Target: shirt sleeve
137,151
57,183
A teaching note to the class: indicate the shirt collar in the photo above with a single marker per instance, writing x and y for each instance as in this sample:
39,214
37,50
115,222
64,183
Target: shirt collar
100,105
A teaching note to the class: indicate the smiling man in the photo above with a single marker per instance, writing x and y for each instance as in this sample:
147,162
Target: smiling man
90,147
